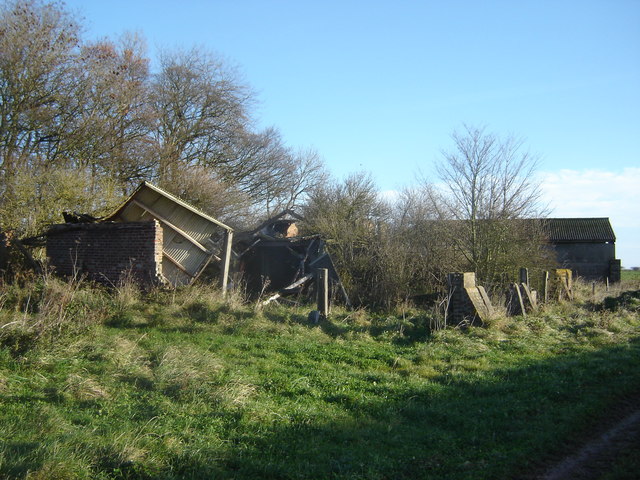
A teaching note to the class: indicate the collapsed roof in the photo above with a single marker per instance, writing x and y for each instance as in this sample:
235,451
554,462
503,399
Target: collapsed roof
270,258
191,238
273,258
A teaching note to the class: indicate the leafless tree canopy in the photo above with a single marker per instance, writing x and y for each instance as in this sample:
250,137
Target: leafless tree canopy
487,184
81,123
479,218
486,177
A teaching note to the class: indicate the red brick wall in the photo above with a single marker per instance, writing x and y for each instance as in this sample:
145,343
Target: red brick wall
108,253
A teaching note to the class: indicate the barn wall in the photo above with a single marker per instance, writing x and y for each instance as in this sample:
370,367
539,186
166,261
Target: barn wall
591,261
108,252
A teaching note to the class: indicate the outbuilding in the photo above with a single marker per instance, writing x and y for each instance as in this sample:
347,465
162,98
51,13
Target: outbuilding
584,245
153,236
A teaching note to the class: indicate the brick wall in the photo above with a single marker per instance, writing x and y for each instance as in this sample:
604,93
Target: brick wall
107,253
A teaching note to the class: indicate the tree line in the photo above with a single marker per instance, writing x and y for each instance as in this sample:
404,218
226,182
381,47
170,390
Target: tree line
83,122
482,214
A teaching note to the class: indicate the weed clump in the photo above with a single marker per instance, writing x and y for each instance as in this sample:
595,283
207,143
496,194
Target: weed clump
48,308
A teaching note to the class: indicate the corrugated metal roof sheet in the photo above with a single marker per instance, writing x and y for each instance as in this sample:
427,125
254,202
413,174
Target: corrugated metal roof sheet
188,234
579,229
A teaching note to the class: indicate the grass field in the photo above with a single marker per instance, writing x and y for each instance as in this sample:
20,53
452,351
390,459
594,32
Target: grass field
630,275
183,385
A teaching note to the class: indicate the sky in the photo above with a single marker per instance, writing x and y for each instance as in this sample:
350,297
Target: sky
380,86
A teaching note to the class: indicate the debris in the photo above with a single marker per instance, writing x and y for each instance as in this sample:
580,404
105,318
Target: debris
271,257
75,217
514,301
520,300
562,284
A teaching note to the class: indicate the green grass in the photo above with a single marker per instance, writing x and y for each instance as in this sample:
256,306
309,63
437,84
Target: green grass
184,385
630,275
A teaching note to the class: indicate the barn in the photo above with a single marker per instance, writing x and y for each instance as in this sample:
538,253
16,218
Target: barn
584,245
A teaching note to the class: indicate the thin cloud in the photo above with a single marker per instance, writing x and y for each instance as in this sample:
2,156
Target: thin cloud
595,193
600,193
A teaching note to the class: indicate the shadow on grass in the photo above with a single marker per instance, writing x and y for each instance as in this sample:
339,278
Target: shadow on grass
448,427
399,331
453,429
197,313
201,312
20,449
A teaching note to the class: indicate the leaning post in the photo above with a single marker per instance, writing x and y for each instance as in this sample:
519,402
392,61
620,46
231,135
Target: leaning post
226,260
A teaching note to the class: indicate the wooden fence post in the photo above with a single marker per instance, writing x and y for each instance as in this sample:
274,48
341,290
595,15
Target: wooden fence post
323,292
524,276
545,286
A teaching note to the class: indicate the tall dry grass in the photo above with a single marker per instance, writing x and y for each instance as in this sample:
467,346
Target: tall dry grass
45,307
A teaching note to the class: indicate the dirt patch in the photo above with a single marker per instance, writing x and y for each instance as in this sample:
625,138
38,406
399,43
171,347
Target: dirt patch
604,450
598,455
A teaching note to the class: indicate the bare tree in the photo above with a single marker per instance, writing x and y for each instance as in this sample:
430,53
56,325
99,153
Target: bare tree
489,178
489,182
257,163
421,232
203,120
203,189
202,111
352,218
301,172
111,130
38,45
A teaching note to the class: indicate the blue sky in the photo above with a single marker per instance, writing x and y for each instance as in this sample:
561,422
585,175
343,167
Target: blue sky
381,85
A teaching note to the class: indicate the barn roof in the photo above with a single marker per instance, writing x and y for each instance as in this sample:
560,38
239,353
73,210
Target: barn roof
579,229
